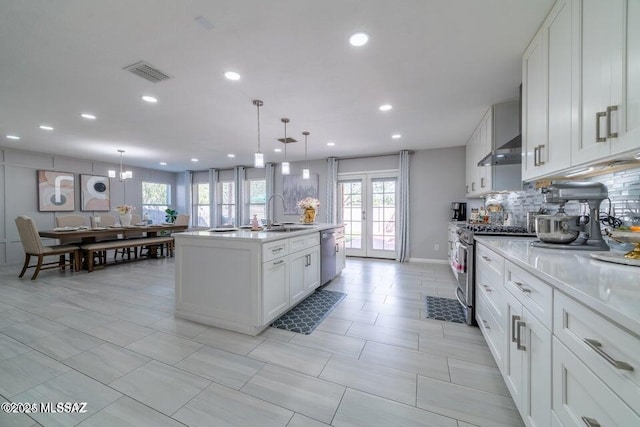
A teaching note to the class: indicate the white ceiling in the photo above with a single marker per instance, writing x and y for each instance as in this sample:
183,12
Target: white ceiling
441,64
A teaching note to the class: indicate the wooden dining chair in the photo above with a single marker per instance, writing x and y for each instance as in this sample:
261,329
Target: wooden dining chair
182,220
33,246
71,221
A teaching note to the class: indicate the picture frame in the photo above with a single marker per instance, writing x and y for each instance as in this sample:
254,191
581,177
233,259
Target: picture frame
56,191
94,193
294,189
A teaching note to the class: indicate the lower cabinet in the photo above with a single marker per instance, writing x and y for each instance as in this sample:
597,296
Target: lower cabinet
275,288
304,274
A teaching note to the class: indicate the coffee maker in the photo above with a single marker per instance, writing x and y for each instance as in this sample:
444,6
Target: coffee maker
459,211
589,236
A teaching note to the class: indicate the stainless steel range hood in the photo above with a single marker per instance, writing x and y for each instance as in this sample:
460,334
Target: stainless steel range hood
507,154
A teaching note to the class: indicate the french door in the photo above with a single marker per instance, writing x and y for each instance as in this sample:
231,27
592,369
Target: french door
368,210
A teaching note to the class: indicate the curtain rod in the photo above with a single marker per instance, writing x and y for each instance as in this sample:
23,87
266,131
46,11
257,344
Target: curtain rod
373,155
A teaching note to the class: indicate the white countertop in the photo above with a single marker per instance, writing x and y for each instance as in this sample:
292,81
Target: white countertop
256,236
610,289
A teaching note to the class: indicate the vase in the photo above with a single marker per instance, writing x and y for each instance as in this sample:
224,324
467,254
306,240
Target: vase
309,216
125,219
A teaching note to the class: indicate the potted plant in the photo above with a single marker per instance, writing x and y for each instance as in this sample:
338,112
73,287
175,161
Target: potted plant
170,215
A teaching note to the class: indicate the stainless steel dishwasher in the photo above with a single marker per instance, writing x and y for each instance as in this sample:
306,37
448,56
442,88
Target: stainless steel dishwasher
327,255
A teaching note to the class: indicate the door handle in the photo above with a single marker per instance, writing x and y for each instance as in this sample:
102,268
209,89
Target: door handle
611,108
590,422
473,186
522,288
540,162
597,347
600,114
278,262
514,319
519,344
481,182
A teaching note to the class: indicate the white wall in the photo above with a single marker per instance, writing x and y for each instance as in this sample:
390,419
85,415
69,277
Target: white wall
19,192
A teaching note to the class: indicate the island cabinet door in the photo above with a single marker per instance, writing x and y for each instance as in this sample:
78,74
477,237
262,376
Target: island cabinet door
297,267
312,270
275,288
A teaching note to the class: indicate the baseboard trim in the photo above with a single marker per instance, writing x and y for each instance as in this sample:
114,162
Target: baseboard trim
429,260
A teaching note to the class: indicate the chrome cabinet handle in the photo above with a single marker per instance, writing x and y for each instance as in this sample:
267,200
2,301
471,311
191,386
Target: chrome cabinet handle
611,108
276,250
473,186
486,258
598,115
278,262
590,422
597,347
514,319
484,322
481,182
540,162
535,156
522,288
486,288
519,344
466,188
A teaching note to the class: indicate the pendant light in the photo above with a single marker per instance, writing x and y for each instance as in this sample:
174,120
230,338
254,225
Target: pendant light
306,174
258,157
123,174
285,164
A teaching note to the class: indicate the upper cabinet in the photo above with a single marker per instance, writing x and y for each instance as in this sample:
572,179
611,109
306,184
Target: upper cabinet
581,86
499,125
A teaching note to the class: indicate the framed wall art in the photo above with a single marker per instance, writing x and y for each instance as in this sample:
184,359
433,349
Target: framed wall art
94,193
294,189
56,191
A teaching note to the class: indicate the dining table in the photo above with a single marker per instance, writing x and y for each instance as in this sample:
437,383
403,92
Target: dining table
86,235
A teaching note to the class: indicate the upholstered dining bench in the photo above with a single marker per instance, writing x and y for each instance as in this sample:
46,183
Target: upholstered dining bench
91,248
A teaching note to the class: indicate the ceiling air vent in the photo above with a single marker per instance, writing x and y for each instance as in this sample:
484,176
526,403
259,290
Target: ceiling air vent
288,141
147,72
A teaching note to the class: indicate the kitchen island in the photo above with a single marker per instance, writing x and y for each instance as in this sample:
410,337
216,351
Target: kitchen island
242,280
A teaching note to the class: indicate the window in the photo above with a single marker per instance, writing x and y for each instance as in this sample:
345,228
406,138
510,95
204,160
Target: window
227,205
156,197
201,204
257,199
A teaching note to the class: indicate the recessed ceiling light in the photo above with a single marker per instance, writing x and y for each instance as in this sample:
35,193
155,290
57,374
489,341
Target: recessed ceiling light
163,163
88,116
232,75
231,155
16,137
359,39
385,107
149,99
45,127
396,136
277,150
331,144
194,160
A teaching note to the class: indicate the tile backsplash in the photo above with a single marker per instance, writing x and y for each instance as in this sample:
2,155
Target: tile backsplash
624,192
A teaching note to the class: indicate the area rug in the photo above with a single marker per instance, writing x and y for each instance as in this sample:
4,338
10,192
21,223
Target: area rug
445,309
304,317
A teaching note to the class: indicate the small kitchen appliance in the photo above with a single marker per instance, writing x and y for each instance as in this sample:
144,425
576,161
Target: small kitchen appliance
561,231
459,211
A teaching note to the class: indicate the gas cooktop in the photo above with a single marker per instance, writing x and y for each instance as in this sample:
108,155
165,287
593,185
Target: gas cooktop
497,229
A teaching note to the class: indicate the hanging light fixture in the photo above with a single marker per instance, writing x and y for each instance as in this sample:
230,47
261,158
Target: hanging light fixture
305,172
258,157
123,174
285,164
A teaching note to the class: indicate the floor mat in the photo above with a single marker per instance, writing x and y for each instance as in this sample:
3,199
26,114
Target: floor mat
445,309
304,317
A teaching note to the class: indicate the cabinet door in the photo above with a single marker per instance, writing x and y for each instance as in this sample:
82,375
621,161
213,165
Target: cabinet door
533,108
275,288
563,100
312,270
341,259
536,396
602,35
514,357
297,268
469,172
485,146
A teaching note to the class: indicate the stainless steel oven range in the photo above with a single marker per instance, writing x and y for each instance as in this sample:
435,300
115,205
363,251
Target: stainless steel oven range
464,261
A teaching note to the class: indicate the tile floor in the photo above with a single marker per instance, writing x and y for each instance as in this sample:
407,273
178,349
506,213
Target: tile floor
109,338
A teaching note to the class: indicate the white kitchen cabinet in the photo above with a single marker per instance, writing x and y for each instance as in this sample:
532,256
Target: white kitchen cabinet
304,273
275,288
312,270
533,107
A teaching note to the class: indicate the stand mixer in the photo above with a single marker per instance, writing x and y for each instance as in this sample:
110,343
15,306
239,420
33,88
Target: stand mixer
592,193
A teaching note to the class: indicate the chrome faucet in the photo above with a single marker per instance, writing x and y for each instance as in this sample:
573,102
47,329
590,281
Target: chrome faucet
269,222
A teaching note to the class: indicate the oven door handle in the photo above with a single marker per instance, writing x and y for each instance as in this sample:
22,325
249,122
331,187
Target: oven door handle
458,292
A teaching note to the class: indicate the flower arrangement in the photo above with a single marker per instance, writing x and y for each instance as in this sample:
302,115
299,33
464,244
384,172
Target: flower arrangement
309,203
125,209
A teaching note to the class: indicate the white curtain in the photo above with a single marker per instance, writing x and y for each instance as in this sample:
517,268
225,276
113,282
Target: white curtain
239,176
270,176
213,197
402,251
332,190
188,194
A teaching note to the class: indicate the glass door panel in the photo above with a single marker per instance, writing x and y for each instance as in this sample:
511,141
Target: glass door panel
350,192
